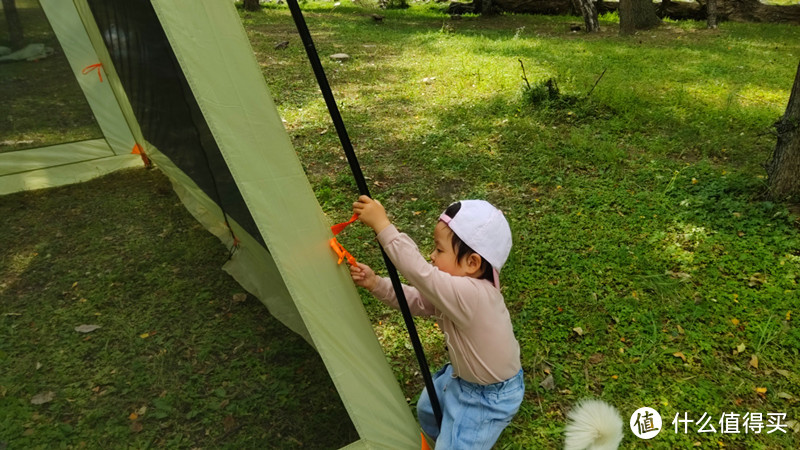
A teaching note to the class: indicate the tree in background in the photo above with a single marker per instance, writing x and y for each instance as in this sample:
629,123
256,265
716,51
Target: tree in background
589,12
784,168
14,25
711,8
637,15
250,5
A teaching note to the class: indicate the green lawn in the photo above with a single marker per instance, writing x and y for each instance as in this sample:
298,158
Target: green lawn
649,267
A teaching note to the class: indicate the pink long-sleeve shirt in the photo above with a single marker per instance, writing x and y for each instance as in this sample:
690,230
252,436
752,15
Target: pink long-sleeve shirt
471,312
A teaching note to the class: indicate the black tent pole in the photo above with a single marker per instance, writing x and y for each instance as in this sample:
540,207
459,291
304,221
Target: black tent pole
363,189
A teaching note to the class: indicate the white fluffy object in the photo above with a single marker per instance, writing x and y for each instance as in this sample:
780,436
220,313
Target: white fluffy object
593,425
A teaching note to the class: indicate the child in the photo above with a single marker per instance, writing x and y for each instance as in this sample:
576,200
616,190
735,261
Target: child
481,389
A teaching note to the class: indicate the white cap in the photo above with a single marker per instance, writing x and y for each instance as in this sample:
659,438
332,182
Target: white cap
484,229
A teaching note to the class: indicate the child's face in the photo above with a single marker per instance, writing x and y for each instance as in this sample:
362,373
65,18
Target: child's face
444,255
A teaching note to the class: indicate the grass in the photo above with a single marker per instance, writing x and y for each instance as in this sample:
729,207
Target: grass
183,357
648,269
32,90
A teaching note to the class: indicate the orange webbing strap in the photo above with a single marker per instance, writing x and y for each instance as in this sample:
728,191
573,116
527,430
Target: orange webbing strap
339,248
92,67
425,445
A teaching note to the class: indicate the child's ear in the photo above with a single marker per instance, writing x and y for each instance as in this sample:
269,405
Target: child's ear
474,262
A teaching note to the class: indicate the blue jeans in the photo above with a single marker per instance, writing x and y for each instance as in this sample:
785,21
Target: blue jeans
473,415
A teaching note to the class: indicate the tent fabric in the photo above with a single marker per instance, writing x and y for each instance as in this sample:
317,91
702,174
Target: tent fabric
161,101
213,50
81,54
252,267
217,135
58,165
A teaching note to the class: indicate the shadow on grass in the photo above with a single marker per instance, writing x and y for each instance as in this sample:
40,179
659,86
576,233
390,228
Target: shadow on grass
182,358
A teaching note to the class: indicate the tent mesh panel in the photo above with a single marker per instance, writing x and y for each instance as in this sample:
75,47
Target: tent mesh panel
163,102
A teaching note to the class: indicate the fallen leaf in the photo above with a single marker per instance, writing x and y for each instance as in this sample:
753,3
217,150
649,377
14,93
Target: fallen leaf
785,395
740,348
783,372
680,355
754,361
578,330
681,330
761,391
735,321
141,410
757,279
615,376
133,416
683,276
144,335
596,358
548,383
43,397
788,316
240,297
229,423
86,328
793,425
136,427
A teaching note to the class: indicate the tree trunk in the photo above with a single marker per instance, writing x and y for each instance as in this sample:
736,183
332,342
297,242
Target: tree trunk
784,168
484,7
15,35
712,14
251,5
589,13
734,10
637,15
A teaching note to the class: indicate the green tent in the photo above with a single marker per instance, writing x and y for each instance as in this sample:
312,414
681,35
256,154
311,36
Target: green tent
177,81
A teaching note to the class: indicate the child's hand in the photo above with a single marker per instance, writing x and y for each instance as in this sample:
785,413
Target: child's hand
371,213
363,276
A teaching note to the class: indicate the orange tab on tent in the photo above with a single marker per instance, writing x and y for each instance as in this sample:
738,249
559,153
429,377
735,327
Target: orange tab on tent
339,248
336,229
424,443
138,150
92,67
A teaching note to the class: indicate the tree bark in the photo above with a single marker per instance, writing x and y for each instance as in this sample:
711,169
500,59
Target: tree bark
251,5
484,7
784,169
712,14
637,15
15,34
589,13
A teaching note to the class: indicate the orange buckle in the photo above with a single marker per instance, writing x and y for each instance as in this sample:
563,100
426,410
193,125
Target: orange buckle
341,252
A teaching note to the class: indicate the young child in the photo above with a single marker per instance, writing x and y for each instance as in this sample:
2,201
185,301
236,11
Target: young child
482,387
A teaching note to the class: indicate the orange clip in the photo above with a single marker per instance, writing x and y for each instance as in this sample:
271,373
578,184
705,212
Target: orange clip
339,248
342,252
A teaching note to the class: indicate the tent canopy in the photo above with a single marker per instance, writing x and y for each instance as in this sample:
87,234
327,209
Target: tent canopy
178,80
